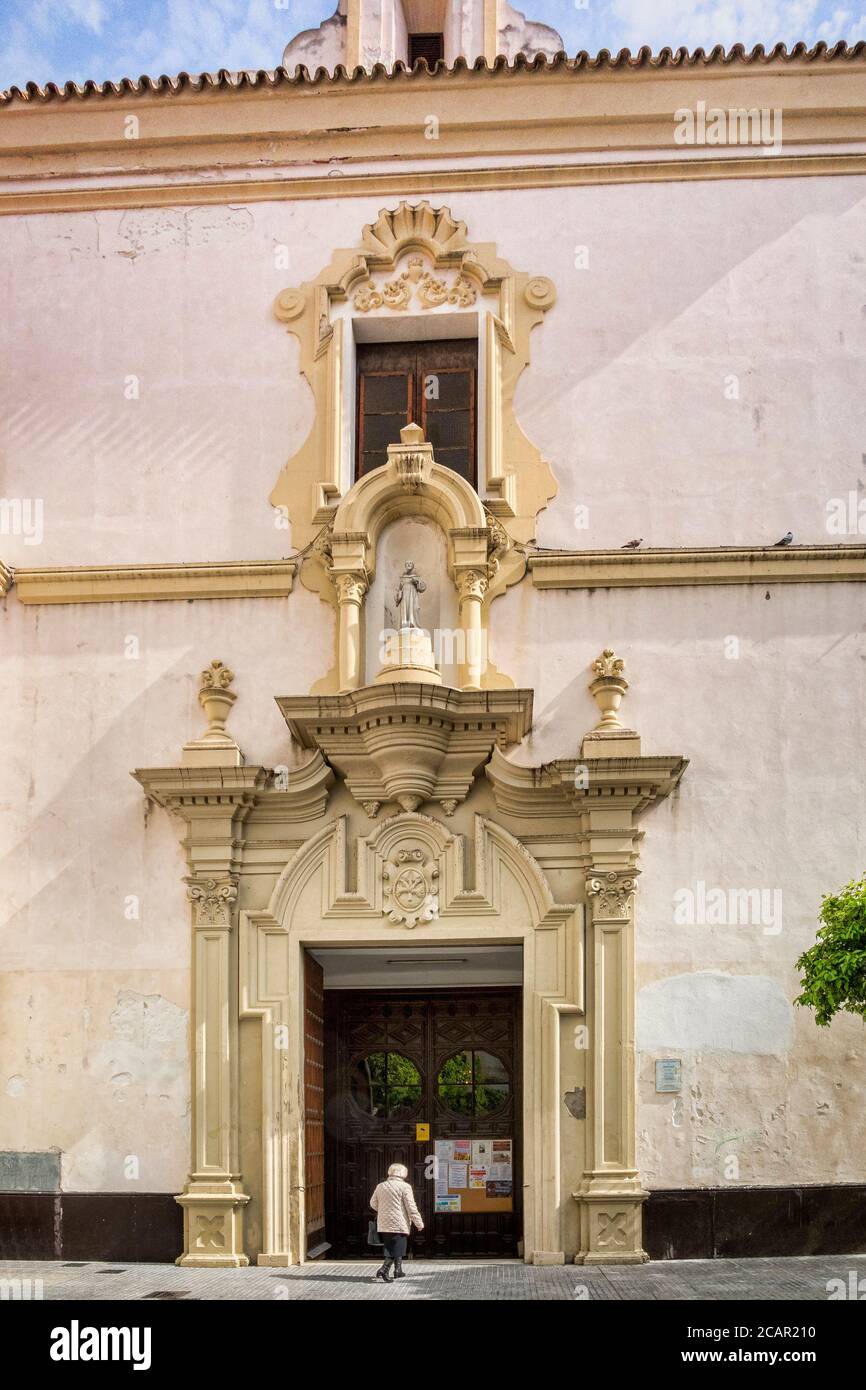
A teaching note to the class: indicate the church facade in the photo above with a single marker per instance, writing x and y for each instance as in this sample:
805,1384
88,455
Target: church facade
433,548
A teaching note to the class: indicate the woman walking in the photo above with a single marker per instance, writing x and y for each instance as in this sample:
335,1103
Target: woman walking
394,1205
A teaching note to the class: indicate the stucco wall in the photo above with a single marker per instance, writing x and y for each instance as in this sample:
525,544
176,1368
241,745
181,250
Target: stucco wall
687,285
773,800
95,946
693,292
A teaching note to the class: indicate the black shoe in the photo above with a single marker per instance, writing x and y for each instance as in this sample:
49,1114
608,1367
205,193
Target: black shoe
383,1274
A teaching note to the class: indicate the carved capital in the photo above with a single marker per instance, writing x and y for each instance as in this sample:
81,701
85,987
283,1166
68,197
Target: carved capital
213,900
351,588
471,584
611,895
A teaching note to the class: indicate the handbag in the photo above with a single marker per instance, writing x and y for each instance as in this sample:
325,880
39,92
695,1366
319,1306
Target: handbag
373,1237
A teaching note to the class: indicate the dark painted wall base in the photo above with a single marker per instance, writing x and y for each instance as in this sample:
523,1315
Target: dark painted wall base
689,1224
738,1222
114,1226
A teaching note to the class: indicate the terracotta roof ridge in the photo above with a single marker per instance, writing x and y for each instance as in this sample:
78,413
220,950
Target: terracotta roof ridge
225,79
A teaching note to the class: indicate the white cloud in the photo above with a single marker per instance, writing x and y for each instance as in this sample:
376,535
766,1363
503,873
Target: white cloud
703,23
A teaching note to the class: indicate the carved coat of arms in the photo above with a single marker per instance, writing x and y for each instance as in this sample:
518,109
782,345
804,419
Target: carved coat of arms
411,894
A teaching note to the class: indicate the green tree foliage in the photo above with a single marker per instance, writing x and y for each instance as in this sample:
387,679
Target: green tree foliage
834,969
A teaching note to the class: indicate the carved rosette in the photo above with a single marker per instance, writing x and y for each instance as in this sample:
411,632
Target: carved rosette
213,900
611,895
410,884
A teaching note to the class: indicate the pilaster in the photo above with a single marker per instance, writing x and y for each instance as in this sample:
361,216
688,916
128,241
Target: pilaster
214,802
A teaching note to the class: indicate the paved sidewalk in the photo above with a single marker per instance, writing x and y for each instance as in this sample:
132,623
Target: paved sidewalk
802,1279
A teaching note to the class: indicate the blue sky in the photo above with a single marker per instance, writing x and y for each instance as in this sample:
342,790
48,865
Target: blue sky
55,40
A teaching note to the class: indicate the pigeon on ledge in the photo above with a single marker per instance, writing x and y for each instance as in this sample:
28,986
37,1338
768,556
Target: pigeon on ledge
632,545
786,540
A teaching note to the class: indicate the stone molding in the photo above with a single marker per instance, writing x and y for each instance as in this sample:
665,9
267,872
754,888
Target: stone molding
137,583
58,150
408,743
314,483
758,564
271,971
287,186
341,562
566,569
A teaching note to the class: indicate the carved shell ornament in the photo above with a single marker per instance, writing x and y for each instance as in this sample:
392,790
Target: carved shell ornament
411,894
415,283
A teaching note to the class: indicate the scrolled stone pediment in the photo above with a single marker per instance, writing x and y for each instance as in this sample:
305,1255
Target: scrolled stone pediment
408,744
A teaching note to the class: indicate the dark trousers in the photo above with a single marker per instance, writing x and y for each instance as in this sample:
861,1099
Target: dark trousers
395,1244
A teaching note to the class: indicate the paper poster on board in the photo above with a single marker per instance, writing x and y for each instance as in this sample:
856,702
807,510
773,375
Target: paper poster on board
478,1178
500,1161
481,1152
462,1150
498,1189
448,1203
458,1174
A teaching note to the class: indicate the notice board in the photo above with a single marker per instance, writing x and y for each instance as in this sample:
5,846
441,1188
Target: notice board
474,1175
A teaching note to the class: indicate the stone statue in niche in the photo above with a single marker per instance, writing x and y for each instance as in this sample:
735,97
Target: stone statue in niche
409,652
408,596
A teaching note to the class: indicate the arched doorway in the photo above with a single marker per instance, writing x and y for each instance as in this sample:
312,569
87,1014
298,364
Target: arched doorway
314,907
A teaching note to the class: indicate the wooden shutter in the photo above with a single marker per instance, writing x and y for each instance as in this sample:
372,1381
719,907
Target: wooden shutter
385,397
432,383
445,390
429,46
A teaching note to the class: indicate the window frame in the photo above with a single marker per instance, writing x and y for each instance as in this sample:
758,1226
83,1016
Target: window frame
417,403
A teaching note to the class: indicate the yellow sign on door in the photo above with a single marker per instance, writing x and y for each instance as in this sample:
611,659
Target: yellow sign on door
422,1132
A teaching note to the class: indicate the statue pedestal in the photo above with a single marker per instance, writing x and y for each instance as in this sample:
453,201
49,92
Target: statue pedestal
410,658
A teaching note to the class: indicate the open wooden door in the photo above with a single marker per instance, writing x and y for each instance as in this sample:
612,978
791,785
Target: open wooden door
314,1105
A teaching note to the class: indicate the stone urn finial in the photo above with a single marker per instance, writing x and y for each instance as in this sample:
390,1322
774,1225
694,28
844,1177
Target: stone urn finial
215,748
608,689
216,700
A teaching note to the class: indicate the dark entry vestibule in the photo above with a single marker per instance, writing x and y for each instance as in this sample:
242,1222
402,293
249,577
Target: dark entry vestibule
428,1076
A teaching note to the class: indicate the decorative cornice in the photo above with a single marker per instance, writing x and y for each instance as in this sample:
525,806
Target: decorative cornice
137,583
438,182
556,124
297,793
189,790
585,569
603,569
570,786
408,743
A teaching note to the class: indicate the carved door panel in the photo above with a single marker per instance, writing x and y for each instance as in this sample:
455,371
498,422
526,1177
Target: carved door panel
397,1060
314,1101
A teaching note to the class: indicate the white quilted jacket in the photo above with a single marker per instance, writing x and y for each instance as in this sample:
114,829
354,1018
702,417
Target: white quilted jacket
394,1205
